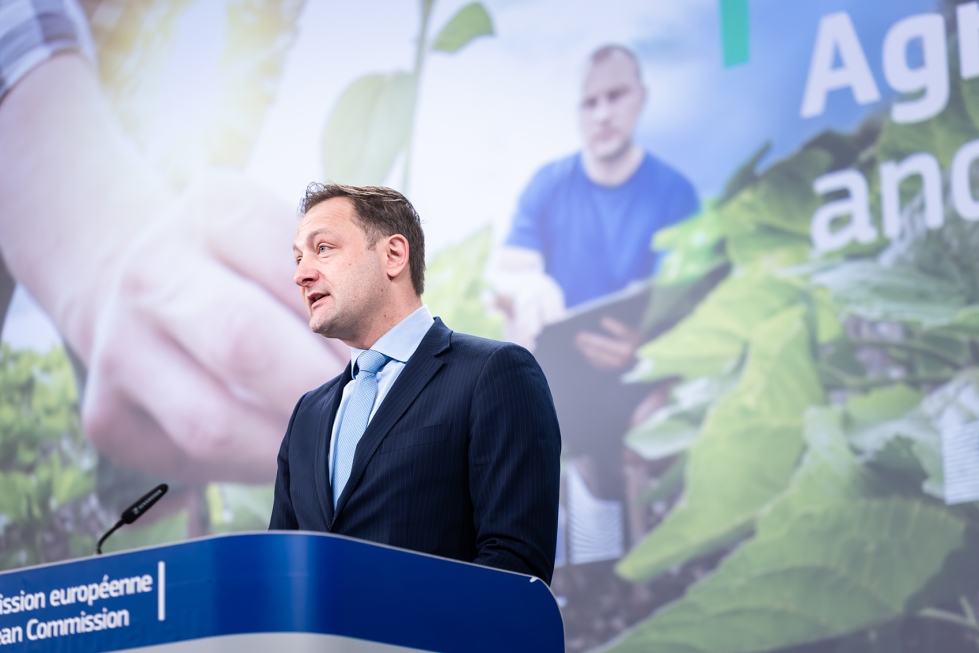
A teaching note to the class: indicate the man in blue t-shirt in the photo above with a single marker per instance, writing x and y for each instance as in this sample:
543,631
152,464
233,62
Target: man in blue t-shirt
583,229
584,224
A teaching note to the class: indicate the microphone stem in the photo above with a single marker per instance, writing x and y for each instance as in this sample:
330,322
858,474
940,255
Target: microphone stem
98,547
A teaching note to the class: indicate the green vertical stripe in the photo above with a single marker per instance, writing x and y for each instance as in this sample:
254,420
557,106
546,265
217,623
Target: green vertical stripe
735,32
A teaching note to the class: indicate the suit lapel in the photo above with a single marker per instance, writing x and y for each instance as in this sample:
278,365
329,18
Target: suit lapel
327,411
419,370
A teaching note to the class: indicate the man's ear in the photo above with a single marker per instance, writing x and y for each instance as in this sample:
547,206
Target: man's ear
394,256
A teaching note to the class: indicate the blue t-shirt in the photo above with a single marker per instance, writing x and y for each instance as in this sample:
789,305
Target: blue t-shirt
597,239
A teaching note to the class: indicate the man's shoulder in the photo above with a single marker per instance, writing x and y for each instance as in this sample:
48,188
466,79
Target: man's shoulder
665,174
555,173
475,348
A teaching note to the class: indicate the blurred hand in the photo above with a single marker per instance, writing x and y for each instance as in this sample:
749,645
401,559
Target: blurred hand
616,351
530,298
183,308
202,347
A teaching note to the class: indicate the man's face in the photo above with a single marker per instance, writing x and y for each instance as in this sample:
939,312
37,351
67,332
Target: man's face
611,100
340,277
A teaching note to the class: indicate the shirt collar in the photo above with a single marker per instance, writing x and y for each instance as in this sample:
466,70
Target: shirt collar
403,339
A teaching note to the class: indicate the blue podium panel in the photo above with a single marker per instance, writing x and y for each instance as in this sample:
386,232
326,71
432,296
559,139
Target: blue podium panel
280,590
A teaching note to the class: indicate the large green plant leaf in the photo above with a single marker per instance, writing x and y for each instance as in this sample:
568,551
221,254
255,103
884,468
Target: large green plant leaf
712,339
889,427
870,290
911,440
692,248
368,127
768,222
454,286
880,405
828,327
831,556
674,427
783,197
773,248
469,23
748,447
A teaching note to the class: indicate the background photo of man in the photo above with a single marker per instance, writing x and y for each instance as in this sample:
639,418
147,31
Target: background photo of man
582,230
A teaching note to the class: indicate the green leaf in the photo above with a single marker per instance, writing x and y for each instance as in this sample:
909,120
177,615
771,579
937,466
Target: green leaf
773,248
889,427
965,323
746,453
692,248
368,127
454,286
783,197
828,327
768,222
712,339
830,557
912,441
901,294
469,23
881,405
674,427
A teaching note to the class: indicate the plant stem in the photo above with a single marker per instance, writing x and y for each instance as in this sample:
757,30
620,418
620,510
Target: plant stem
967,608
917,347
950,617
420,48
866,384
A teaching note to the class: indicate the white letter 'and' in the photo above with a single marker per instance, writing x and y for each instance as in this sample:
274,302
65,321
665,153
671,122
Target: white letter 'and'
839,62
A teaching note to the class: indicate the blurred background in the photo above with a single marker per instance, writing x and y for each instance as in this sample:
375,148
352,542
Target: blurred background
740,237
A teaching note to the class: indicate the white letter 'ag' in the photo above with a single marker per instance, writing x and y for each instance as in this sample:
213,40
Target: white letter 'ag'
836,35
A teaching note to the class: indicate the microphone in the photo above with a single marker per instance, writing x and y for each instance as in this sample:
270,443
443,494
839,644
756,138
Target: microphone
134,512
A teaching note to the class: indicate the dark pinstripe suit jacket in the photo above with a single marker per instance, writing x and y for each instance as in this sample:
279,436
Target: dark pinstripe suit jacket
461,460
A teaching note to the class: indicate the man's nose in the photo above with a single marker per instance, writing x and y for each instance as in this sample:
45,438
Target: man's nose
305,274
602,110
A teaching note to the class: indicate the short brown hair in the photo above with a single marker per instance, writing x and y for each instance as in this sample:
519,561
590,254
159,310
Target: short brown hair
380,212
604,52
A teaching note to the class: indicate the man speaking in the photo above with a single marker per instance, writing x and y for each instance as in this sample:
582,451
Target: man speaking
429,440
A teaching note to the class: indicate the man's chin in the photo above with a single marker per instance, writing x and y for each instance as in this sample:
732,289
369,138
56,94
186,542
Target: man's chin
322,325
609,152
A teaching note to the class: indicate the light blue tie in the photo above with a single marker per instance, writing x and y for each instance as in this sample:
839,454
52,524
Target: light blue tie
355,417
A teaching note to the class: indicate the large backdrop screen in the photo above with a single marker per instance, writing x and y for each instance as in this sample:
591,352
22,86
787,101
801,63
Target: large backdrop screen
741,238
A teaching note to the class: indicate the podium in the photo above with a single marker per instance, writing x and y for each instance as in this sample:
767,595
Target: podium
277,591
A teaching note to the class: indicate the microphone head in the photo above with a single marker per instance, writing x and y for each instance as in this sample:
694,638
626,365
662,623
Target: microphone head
144,503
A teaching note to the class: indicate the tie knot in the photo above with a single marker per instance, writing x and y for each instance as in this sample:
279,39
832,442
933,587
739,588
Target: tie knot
370,361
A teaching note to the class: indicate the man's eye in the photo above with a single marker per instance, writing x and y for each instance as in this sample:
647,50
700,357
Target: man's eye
322,248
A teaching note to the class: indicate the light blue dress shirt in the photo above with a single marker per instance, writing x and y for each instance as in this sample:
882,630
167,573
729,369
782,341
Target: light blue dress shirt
398,344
